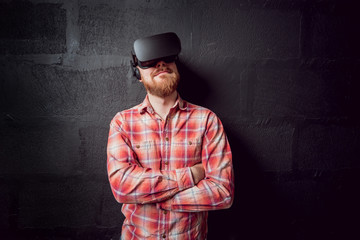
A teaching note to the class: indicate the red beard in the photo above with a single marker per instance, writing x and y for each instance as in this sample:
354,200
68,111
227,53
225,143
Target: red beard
164,87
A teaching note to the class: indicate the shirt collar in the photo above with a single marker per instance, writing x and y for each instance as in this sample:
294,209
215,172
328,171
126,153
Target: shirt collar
146,105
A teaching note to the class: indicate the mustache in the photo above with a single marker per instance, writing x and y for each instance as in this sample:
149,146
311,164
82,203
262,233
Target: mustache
168,70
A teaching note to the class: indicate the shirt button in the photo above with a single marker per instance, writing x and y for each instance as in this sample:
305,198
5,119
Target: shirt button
166,163
164,236
190,142
165,212
137,146
167,139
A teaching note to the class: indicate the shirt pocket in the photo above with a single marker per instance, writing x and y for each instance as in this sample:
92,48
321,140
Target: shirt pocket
185,152
148,153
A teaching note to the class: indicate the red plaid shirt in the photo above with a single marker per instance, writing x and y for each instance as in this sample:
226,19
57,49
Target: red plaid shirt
148,165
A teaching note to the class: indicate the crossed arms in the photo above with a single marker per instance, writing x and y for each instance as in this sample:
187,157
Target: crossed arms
205,186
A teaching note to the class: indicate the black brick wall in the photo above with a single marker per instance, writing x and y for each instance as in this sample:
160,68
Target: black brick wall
283,75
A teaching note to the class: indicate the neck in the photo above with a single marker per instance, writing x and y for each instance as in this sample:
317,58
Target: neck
162,105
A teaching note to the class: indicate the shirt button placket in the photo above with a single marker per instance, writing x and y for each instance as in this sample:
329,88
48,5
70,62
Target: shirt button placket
166,160
167,144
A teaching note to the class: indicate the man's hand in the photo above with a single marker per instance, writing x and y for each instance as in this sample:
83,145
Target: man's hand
198,172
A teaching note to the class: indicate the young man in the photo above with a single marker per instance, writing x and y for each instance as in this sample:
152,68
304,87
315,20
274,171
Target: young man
169,161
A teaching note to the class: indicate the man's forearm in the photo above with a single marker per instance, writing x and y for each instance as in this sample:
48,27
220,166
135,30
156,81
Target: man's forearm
131,183
211,193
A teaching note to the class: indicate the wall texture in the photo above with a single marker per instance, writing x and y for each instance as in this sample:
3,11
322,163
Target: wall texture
283,75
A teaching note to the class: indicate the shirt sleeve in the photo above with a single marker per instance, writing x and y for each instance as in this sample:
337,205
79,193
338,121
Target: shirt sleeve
132,183
216,190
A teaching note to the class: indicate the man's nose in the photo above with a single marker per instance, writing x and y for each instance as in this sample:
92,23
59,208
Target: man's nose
160,63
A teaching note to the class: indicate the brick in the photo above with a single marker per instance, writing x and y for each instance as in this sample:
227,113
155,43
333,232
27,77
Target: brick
32,28
112,29
111,215
267,147
9,151
323,205
38,146
333,31
247,34
68,202
255,4
328,147
304,198
40,90
5,210
92,150
300,92
209,87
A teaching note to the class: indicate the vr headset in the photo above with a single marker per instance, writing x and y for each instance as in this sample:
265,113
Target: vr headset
150,50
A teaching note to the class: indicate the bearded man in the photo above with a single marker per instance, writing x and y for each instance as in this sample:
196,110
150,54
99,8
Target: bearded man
169,161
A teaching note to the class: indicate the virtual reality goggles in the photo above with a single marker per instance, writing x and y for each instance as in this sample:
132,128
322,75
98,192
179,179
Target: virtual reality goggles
150,50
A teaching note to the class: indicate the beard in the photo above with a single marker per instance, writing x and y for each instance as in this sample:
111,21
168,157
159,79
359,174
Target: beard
163,87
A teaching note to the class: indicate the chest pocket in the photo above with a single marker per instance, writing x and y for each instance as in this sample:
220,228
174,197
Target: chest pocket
147,153
186,152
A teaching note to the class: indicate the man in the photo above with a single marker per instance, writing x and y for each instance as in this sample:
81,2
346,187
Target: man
169,161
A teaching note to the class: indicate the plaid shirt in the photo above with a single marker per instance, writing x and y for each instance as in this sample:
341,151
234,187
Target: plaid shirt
148,165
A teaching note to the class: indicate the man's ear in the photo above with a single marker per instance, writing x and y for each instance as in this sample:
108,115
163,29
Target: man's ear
137,72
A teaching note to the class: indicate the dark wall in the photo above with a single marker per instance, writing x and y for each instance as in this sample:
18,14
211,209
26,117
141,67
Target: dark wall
283,75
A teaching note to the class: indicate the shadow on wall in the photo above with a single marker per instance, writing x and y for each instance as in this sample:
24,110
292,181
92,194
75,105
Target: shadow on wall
257,211
192,87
